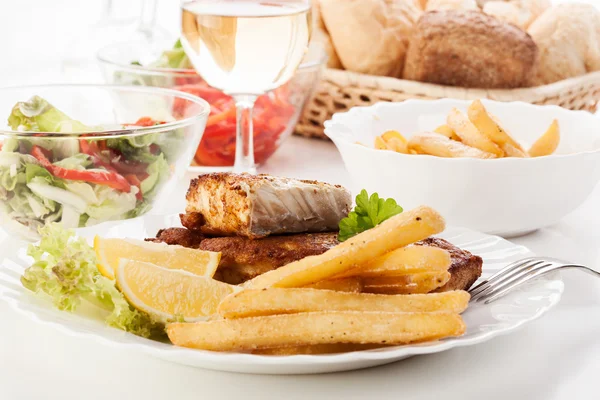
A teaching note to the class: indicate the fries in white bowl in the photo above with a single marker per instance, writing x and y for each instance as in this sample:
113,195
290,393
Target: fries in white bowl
501,168
480,135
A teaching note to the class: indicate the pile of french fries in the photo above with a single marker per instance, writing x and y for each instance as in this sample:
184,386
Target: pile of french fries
477,135
371,290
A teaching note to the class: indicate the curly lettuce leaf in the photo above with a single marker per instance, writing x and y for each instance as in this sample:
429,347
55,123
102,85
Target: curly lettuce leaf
368,213
65,269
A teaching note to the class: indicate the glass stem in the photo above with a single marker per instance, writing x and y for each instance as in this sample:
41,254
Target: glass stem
147,17
244,138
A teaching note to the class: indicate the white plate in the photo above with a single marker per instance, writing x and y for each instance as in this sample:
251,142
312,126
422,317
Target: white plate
483,321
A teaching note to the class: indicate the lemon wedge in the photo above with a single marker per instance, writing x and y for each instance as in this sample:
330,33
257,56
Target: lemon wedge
110,251
168,294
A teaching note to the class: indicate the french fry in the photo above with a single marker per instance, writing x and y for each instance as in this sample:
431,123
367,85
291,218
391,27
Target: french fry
423,282
283,330
405,260
470,135
422,279
512,151
445,130
349,284
317,349
391,140
395,141
439,145
252,303
547,143
398,231
505,136
489,125
380,144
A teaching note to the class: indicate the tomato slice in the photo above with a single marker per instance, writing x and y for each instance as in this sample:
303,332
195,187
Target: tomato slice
107,178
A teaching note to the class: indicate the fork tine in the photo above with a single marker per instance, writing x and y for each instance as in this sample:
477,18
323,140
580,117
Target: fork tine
502,275
509,267
508,278
531,276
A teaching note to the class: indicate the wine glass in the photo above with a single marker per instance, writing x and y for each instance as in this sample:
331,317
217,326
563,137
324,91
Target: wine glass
245,48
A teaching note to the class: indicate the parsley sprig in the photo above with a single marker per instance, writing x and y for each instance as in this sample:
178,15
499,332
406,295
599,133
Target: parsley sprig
368,213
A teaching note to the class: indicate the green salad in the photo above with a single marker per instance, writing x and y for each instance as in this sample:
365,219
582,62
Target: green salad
64,268
77,181
171,59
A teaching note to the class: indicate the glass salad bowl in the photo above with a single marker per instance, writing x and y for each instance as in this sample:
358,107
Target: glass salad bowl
163,64
85,154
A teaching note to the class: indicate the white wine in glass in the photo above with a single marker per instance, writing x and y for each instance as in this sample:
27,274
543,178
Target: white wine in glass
246,48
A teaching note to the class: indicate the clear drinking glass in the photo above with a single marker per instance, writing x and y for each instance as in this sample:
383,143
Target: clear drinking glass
245,48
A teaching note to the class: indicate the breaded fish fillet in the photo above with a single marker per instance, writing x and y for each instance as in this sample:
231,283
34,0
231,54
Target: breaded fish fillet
256,206
179,236
466,267
243,259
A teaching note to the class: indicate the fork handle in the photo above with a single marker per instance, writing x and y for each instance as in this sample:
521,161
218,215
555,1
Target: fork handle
581,268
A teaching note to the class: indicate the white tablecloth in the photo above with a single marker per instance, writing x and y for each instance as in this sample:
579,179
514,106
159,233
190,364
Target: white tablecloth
555,357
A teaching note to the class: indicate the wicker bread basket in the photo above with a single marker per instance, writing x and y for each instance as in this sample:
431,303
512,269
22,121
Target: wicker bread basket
341,90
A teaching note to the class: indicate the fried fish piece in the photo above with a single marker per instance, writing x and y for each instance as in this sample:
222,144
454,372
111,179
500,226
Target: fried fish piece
256,206
178,236
243,259
466,267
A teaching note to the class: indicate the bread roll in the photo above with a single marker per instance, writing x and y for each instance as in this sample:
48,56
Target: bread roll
508,12
518,12
568,36
451,5
371,36
320,35
469,49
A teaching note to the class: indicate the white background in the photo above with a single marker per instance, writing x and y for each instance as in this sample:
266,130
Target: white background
556,357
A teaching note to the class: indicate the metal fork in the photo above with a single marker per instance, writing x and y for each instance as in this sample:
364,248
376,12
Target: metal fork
518,273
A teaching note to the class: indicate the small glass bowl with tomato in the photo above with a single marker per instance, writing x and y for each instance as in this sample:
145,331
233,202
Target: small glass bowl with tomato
160,63
85,154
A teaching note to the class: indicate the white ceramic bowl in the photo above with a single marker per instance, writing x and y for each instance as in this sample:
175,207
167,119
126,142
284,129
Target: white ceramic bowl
508,196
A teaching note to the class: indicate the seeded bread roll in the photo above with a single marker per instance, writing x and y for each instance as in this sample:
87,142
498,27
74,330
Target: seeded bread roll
568,36
469,49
